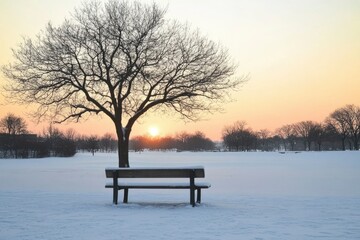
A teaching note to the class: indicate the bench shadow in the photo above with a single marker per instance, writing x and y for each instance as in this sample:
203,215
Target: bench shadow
162,205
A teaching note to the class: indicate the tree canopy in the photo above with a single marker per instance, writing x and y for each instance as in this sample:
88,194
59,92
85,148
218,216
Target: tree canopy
120,59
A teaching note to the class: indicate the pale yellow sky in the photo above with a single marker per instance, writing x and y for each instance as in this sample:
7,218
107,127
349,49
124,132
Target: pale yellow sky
302,56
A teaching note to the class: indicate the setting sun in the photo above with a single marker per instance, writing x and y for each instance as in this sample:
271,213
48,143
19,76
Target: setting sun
153,131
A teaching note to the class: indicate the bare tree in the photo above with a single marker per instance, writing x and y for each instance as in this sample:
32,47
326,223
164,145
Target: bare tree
353,122
12,124
107,142
288,134
198,142
346,121
263,136
120,59
336,121
318,134
304,130
238,137
70,134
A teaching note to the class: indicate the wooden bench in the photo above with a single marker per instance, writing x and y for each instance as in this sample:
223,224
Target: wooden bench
190,172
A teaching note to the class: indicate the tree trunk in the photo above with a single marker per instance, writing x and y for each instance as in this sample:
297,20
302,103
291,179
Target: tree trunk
292,145
305,145
123,152
309,146
123,145
284,142
343,144
356,142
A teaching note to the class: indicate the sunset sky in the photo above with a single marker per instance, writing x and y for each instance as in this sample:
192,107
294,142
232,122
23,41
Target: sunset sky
302,58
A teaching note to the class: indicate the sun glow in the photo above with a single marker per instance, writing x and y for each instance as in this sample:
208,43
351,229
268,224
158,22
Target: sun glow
154,131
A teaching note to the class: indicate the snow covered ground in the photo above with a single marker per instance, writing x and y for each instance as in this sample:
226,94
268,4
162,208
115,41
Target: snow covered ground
309,195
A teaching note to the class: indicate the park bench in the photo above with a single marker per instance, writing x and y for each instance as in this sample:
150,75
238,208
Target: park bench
189,172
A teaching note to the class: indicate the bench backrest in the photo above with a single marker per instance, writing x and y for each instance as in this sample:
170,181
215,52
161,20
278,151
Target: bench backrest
196,172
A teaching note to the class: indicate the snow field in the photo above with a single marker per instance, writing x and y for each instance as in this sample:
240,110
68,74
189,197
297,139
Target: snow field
309,195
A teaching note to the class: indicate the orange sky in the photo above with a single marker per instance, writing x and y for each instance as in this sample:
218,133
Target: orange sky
303,58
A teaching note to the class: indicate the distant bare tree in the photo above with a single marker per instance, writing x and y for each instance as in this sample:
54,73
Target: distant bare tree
288,134
337,122
182,139
107,142
346,121
92,144
52,132
231,137
58,143
70,134
199,142
238,137
263,133
304,130
318,134
138,143
237,126
263,136
353,122
12,124
120,59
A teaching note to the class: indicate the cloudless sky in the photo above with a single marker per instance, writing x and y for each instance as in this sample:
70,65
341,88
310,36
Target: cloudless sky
302,57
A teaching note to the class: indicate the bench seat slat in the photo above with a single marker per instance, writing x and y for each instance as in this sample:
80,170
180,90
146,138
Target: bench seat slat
155,172
157,185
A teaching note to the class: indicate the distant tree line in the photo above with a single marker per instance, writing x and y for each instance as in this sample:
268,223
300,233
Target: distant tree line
93,143
339,131
17,142
181,142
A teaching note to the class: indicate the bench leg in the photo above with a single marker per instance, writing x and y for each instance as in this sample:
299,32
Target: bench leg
126,195
115,195
192,197
198,198
192,188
